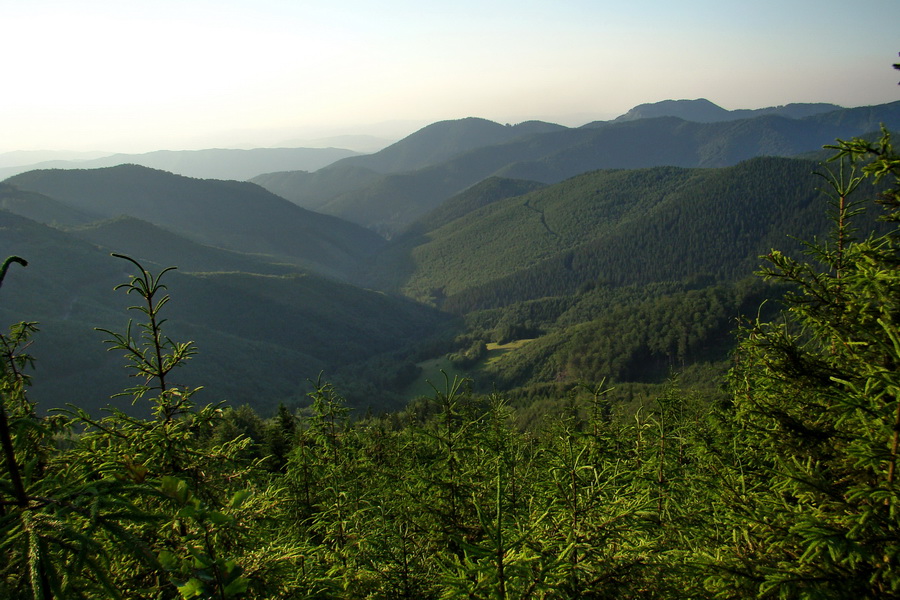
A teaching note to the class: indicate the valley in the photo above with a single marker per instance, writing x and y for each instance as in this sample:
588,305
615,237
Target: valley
624,249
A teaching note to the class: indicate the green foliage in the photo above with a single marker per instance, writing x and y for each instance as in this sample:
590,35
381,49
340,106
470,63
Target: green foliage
126,507
153,355
53,525
816,393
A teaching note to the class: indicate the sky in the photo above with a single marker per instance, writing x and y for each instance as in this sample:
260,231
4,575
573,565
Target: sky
137,76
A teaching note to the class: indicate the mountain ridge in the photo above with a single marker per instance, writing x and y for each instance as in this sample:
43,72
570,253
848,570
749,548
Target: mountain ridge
210,163
525,239
389,202
441,141
234,215
702,110
155,245
590,228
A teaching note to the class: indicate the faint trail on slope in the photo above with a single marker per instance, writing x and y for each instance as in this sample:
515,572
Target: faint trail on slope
543,219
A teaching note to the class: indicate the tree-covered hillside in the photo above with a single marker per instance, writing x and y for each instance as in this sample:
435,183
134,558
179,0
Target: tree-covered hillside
238,216
41,208
392,201
159,247
515,258
704,111
558,240
266,328
616,228
626,275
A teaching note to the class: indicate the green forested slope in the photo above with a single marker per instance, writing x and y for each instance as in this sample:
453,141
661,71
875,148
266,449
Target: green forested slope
264,335
157,246
635,334
229,214
625,275
41,208
396,262
391,202
481,194
619,227
441,141
781,483
518,233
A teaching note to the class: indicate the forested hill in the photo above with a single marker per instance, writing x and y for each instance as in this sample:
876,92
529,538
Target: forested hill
238,216
388,202
441,141
617,227
778,481
503,257
41,208
161,247
516,258
264,329
702,110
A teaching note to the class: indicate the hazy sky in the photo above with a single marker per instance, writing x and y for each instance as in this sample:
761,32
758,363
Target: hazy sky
143,75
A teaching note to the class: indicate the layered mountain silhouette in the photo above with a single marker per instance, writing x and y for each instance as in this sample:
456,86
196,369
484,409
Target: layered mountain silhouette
702,110
390,189
41,208
237,216
442,141
213,163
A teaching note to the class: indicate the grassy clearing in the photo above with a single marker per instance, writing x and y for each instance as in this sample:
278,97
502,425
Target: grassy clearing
432,374
496,351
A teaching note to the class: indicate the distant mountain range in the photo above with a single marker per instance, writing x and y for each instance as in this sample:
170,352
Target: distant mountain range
238,165
30,158
390,189
442,141
365,144
704,111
